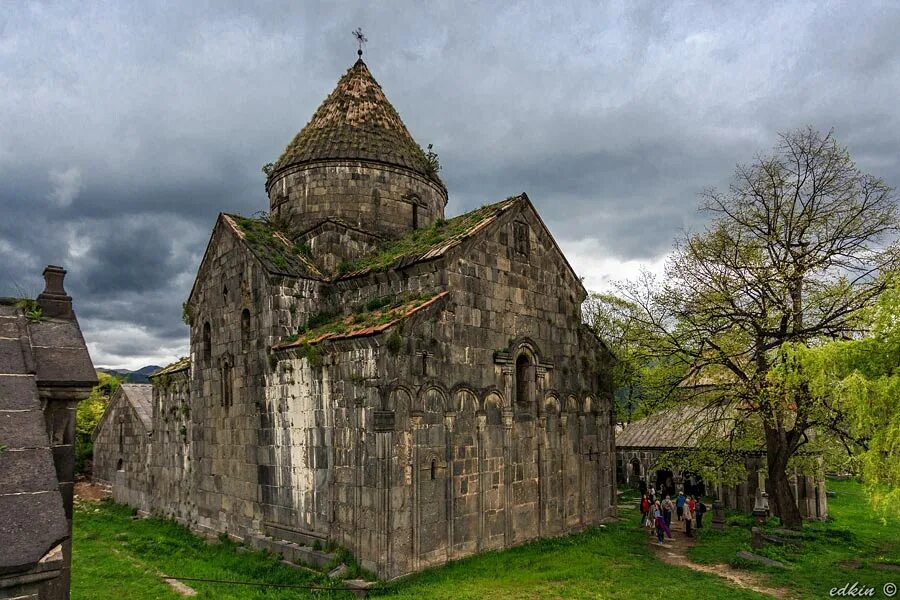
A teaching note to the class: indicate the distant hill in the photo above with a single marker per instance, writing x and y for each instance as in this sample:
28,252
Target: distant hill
139,376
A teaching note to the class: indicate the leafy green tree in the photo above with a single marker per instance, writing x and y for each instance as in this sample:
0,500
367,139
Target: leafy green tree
89,412
790,258
858,382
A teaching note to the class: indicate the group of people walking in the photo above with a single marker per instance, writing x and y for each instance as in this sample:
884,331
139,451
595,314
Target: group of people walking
657,514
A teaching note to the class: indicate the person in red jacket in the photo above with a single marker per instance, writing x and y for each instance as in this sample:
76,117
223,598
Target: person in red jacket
645,508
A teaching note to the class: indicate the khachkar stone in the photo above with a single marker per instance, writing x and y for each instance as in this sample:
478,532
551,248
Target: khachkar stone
363,372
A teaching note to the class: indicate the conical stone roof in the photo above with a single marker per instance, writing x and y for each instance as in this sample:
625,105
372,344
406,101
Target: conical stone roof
356,121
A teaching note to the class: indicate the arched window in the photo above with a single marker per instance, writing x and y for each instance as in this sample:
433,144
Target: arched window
524,379
245,327
120,466
207,341
433,468
415,216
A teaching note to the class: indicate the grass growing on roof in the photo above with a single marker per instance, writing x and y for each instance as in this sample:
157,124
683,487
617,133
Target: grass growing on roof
272,246
376,312
419,241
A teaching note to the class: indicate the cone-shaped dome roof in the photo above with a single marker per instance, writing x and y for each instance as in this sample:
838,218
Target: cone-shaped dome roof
356,121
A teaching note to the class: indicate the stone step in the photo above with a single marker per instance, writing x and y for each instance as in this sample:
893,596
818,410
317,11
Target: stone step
291,534
292,551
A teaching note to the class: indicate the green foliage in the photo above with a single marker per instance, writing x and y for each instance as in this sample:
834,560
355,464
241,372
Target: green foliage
387,309
33,312
88,414
265,238
858,382
432,162
419,241
115,556
311,353
852,545
790,259
268,168
186,316
394,342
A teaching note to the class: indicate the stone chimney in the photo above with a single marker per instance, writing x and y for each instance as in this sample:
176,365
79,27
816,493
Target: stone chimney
53,301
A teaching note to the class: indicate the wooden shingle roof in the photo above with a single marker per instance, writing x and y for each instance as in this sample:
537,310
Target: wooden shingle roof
356,121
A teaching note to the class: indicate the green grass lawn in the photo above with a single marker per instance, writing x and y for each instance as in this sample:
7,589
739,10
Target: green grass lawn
845,549
116,556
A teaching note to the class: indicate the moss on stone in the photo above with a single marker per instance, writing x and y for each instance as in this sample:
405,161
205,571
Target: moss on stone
273,247
420,241
387,310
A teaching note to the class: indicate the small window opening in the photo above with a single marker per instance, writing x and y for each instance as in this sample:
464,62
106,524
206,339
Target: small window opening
207,341
424,364
520,238
245,326
415,215
524,379
120,466
225,293
433,468
121,437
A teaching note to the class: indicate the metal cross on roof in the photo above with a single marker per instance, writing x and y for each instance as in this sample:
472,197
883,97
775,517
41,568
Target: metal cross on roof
361,39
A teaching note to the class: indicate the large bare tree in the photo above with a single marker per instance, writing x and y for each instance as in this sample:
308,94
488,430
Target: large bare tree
794,250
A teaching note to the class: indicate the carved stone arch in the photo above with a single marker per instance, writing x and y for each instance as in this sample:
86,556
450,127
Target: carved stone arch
493,405
428,394
589,405
465,400
524,343
571,404
397,391
551,403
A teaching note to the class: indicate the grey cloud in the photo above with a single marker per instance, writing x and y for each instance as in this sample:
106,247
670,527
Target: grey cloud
125,128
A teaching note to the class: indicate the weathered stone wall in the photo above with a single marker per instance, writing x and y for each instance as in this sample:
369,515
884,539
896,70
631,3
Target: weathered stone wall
172,485
373,197
490,426
435,453
121,454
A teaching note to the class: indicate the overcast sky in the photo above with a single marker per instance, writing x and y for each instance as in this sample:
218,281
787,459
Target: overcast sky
126,128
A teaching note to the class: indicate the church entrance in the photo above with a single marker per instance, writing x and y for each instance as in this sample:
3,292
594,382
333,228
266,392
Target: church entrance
665,483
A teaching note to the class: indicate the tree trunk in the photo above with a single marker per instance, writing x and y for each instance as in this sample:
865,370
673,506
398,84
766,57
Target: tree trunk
781,495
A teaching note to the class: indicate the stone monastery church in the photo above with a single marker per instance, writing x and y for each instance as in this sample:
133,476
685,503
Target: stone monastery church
367,373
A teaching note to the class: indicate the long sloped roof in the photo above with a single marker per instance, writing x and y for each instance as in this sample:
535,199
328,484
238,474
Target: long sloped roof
430,242
140,397
356,121
47,352
363,324
676,427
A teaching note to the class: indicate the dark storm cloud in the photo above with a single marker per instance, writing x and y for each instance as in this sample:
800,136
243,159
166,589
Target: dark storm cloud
126,128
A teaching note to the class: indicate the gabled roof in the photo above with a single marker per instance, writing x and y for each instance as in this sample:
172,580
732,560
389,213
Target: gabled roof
182,364
442,237
140,397
429,243
356,121
680,426
33,519
277,253
363,324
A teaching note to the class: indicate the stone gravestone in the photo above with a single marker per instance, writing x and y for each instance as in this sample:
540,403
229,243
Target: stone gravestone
718,517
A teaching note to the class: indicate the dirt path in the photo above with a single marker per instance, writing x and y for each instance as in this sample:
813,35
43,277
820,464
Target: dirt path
675,551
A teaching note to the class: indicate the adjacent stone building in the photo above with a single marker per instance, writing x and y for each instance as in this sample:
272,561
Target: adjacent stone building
45,370
641,444
366,372
121,439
